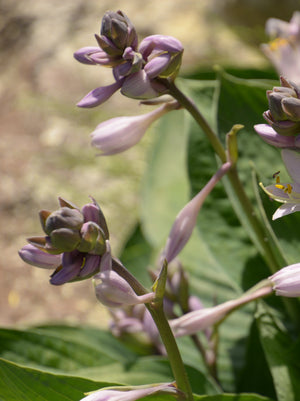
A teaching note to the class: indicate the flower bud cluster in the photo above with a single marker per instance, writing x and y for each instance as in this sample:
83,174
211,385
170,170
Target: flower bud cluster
137,70
283,116
74,243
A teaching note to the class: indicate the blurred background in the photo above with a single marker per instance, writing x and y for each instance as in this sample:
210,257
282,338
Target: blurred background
45,144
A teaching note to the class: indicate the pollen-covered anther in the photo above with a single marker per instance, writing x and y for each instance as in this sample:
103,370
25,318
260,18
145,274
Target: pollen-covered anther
285,188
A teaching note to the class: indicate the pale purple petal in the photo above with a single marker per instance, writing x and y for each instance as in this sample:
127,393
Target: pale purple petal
72,262
138,86
159,42
269,135
34,256
131,395
83,55
157,65
285,209
99,95
291,159
121,133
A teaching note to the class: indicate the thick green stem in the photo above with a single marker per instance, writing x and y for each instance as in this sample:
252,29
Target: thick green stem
170,344
264,242
166,334
257,230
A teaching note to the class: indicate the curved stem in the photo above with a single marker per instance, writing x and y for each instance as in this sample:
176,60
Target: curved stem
258,232
162,324
179,372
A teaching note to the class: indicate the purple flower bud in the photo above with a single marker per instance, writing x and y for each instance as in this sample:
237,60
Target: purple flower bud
201,319
121,133
112,290
286,282
186,220
93,212
84,55
34,256
119,394
269,135
139,86
99,95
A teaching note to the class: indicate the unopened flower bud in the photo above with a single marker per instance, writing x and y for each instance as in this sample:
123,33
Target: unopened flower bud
121,133
111,289
64,218
117,33
284,109
286,282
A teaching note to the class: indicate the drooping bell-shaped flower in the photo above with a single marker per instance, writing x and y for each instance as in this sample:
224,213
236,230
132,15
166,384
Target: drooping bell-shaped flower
132,393
121,133
286,282
73,244
185,221
112,290
284,50
287,193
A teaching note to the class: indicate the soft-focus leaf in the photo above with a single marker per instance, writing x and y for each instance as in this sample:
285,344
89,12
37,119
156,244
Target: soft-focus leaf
63,349
18,383
282,354
232,397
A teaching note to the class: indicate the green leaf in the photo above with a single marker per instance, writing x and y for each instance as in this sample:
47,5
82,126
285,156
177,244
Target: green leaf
281,352
166,190
232,397
62,348
18,383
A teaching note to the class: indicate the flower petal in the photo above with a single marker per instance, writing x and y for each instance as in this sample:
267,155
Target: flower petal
36,257
285,209
99,95
291,160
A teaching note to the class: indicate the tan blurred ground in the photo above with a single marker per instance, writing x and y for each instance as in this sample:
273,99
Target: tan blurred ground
44,142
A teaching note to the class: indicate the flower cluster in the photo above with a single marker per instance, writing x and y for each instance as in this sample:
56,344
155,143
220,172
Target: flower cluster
283,116
74,243
139,71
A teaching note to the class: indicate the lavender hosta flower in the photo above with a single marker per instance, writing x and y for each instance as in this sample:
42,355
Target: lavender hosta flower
287,193
137,70
204,318
284,50
112,290
121,133
73,244
286,282
132,393
185,222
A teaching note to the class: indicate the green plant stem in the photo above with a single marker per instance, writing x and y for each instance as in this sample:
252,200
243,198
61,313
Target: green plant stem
166,334
179,372
264,242
258,233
